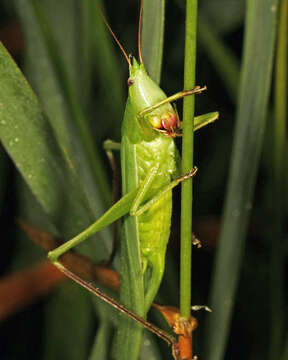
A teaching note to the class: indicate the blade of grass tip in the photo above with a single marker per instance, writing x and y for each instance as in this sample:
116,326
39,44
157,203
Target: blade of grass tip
251,115
71,96
153,37
187,158
277,251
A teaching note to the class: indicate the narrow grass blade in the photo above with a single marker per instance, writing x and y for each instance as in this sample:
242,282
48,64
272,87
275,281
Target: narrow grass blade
30,141
153,37
251,114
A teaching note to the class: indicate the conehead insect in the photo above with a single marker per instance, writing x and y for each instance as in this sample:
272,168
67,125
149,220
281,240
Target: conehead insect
150,170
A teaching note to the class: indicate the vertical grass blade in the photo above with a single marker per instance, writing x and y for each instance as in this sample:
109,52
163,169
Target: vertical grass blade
251,114
153,37
187,158
279,168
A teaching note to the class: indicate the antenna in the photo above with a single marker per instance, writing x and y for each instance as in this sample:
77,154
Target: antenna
140,32
112,33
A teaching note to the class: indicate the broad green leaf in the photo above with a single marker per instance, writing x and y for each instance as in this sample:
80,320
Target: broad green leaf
30,141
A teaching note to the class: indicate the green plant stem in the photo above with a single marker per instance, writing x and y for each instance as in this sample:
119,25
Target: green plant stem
278,178
187,159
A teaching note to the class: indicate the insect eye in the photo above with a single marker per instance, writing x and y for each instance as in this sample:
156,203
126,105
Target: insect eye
130,82
155,121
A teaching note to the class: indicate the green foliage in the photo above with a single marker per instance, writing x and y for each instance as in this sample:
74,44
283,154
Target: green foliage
54,141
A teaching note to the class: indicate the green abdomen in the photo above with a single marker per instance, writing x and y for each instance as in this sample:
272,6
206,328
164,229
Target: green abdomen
153,226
